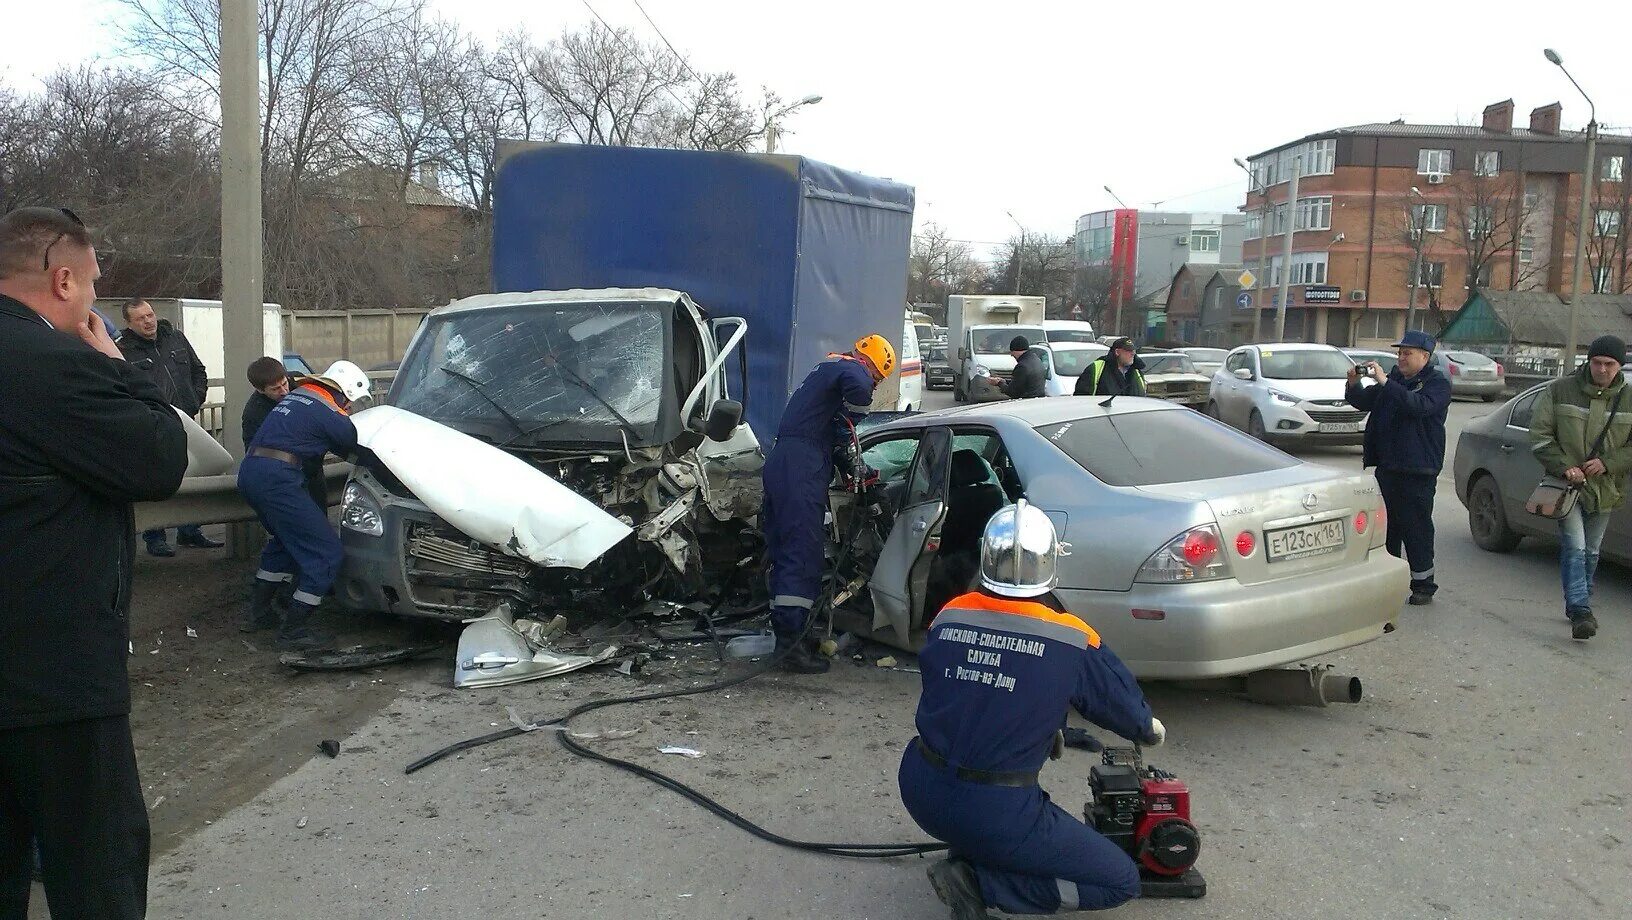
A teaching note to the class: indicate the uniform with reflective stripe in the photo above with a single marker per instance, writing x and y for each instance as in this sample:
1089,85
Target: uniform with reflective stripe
818,419
998,676
309,424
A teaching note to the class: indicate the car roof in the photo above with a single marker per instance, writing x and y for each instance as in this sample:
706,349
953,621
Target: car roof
1292,346
1072,346
1034,413
576,295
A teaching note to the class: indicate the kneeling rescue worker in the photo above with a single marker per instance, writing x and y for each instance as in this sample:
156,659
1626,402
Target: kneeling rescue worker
816,433
999,669
305,425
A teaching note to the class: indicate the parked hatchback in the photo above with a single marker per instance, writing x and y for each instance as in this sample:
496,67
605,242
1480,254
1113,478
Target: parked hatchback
1287,392
1472,374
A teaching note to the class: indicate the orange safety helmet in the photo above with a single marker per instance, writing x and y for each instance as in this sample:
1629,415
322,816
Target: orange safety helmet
878,350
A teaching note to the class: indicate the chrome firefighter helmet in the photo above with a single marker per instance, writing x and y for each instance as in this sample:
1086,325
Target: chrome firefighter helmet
1019,551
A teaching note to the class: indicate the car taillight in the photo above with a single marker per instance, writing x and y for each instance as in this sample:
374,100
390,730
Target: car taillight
1195,555
1245,543
1360,522
1379,528
1454,369
1499,371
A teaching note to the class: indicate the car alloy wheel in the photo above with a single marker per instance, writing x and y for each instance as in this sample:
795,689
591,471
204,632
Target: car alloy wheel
1486,519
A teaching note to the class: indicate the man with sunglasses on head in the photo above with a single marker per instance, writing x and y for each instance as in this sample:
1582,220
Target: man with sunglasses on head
82,436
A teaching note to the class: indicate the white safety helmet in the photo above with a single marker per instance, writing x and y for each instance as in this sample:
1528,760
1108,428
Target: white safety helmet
1019,551
348,378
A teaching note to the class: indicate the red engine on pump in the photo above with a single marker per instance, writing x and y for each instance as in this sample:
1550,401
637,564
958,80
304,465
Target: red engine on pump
1146,812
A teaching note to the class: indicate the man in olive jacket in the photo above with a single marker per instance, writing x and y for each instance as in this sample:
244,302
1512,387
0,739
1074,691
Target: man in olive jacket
82,435
1571,416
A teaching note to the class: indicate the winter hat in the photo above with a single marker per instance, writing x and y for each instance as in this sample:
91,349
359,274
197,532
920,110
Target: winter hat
1019,344
1607,346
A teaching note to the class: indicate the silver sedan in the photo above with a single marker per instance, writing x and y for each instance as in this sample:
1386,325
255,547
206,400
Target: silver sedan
1196,551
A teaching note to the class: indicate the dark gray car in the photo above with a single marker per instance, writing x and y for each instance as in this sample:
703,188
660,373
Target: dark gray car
1495,473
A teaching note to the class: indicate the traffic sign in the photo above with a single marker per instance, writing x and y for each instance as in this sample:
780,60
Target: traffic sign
1247,280
1243,300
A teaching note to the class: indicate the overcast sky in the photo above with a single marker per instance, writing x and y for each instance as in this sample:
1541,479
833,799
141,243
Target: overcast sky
1033,107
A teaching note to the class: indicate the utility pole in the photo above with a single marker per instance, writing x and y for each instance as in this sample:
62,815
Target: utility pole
242,327
1286,249
1019,253
1418,215
771,130
1263,251
1589,182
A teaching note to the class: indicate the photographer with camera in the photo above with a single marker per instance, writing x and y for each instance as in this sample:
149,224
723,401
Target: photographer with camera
1405,441
1001,666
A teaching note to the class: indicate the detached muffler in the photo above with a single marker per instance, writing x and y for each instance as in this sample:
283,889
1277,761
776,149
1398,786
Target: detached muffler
1312,686
1315,686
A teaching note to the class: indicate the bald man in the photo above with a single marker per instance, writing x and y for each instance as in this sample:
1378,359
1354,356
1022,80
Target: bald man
82,436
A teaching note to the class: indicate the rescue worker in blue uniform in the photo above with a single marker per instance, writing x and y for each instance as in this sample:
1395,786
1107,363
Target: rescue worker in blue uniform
999,669
305,425
817,431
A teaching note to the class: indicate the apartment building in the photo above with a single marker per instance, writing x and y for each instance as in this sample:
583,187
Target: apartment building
1143,250
1453,208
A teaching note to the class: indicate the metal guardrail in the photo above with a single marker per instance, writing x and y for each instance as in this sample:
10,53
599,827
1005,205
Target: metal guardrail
215,500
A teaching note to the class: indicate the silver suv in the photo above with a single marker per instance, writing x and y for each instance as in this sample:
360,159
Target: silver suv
1289,391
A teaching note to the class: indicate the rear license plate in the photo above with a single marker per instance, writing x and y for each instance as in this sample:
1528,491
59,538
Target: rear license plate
1308,540
1339,427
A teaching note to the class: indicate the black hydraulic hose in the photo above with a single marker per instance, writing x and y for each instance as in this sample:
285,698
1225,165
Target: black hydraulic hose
561,725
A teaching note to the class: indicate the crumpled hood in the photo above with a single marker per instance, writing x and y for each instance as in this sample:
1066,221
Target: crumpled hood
492,496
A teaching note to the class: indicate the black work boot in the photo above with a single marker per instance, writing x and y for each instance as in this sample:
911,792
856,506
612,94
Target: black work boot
1583,625
297,633
260,614
956,886
800,658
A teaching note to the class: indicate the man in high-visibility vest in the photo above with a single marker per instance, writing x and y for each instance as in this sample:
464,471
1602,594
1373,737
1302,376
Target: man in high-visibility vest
816,432
1118,372
1000,667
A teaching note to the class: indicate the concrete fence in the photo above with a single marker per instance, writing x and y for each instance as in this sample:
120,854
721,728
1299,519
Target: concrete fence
368,338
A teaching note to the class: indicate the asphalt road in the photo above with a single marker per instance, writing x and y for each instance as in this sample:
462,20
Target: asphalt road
1485,775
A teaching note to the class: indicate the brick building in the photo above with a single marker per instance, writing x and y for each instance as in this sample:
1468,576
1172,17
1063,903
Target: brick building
1490,206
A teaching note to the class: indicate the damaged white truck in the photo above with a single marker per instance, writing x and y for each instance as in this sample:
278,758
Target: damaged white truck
611,417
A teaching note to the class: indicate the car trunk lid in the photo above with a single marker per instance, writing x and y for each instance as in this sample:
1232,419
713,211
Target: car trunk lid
1299,520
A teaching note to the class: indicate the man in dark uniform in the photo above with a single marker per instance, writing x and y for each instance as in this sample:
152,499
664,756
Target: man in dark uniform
1119,372
82,436
307,424
816,432
1000,668
271,383
1029,372
159,351
1405,441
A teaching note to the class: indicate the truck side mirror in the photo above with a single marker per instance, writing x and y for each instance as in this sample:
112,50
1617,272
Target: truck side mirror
723,420
963,352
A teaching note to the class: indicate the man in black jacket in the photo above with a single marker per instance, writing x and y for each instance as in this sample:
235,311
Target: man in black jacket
1119,372
1029,372
82,435
159,351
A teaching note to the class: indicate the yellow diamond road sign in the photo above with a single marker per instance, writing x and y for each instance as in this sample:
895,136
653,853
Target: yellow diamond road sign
1247,280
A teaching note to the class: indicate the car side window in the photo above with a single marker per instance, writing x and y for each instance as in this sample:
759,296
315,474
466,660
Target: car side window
892,458
990,448
1523,408
929,469
1236,361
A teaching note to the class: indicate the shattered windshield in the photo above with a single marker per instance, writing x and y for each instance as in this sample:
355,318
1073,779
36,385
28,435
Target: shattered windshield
551,370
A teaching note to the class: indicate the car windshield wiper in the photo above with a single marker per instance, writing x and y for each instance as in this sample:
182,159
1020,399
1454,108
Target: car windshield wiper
573,376
482,392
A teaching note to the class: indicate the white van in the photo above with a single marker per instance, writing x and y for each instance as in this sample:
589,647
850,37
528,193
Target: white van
910,368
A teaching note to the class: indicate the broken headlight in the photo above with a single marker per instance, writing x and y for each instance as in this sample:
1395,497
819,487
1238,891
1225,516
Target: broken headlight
359,512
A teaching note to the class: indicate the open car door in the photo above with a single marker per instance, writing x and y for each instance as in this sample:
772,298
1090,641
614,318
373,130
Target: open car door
900,578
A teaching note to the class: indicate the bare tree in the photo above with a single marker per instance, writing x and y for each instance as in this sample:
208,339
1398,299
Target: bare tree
1607,251
1037,264
605,86
1488,217
939,266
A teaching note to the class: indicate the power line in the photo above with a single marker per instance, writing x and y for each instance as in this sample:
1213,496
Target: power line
672,50
619,39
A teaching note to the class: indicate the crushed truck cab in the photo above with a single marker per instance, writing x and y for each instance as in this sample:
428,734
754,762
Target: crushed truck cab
618,396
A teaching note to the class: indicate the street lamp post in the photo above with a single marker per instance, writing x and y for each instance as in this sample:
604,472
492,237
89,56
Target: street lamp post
1263,250
1566,358
1286,249
1019,253
770,120
1418,222
1116,276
